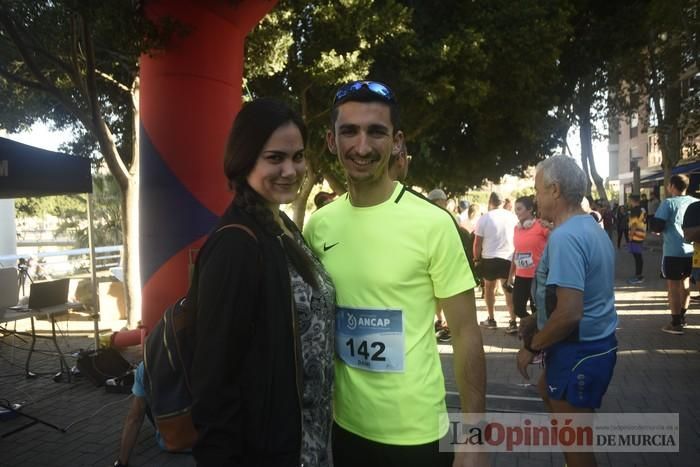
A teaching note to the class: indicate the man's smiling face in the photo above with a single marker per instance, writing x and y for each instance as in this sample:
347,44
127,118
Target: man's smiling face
363,139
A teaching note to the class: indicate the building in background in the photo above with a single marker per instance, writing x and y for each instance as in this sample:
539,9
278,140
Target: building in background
636,144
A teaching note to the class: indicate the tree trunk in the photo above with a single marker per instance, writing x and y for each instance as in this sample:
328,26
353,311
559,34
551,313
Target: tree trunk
336,185
300,202
668,116
130,255
584,157
586,138
587,151
671,150
130,214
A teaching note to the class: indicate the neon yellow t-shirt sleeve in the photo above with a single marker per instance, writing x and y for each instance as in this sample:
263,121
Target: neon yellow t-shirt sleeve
448,266
309,233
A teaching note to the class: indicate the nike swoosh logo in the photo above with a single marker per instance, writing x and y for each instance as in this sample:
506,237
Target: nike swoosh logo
328,247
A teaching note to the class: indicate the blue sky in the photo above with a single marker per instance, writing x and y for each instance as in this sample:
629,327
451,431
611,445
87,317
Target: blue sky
41,136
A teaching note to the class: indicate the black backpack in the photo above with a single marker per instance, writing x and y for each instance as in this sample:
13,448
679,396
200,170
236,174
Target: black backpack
167,358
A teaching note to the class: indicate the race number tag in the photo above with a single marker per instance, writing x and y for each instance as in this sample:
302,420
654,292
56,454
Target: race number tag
524,260
370,340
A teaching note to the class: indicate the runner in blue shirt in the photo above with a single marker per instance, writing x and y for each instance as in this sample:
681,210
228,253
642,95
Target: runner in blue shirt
676,264
576,318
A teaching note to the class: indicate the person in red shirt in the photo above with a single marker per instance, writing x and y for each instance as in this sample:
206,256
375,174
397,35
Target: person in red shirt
529,240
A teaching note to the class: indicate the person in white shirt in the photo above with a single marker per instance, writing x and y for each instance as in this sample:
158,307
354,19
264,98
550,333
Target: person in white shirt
493,251
463,208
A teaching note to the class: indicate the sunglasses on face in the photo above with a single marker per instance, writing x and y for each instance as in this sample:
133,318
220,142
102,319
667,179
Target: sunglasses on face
375,87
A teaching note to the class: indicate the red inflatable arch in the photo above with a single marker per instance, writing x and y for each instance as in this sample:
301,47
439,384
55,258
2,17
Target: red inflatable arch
190,94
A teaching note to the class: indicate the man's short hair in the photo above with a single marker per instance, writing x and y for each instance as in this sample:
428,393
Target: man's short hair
635,198
322,198
564,171
436,194
680,182
366,91
495,199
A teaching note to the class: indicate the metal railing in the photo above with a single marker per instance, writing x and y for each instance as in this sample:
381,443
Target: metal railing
57,263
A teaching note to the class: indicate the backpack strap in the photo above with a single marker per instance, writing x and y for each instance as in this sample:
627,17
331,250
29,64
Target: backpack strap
245,228
191,297
238,226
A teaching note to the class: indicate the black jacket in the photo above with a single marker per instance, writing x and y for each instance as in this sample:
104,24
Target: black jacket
246,363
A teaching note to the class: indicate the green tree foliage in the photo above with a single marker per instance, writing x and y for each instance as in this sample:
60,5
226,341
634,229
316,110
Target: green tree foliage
71,210
473,78
46,205
658,75
303,50
602,33
497,64
74,64
530,191
107,216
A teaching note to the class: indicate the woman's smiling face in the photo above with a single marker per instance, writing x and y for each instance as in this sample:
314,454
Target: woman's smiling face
279,170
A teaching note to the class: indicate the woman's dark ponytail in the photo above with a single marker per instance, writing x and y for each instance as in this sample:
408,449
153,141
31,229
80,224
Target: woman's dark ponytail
252,203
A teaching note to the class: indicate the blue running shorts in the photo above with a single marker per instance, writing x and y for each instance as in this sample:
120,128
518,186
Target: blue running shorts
579,372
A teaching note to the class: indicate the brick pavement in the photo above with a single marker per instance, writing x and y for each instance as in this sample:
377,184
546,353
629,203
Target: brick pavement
656,372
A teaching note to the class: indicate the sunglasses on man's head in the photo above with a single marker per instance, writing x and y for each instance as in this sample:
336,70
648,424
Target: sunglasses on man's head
374,87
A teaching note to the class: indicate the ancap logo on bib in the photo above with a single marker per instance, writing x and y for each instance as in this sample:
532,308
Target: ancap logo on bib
352,321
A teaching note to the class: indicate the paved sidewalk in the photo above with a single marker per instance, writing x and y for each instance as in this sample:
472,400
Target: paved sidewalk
656,372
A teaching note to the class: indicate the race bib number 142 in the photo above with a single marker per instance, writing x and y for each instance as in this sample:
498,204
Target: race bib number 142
370,340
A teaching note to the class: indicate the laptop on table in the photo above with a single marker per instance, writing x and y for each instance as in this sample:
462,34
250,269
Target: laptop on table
45,295
48,294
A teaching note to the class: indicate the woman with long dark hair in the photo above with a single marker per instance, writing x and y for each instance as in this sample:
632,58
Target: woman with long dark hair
263,365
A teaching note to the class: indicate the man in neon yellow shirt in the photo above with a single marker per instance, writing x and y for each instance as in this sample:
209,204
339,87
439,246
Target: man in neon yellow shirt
392,256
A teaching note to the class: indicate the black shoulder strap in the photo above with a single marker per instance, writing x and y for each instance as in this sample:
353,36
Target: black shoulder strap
238,226
192,292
